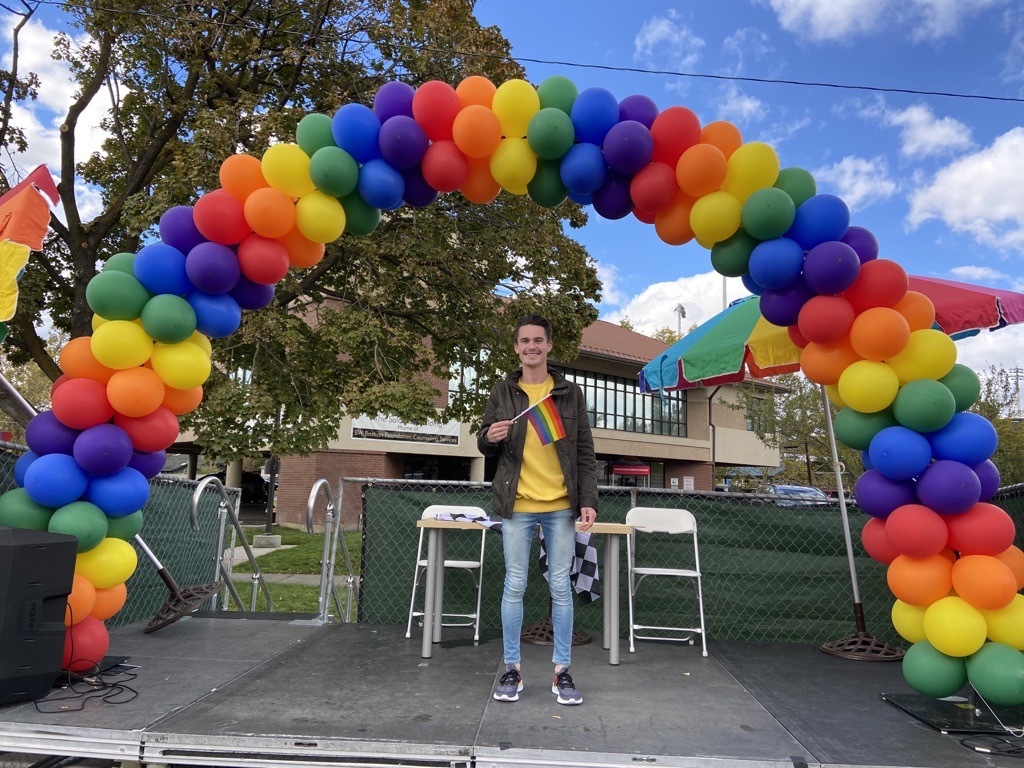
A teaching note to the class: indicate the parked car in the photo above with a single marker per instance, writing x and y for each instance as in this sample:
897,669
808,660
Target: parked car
833,494
254,489
796,495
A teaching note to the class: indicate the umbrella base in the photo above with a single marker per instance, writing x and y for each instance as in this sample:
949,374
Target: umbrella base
180,603
543,633
862,646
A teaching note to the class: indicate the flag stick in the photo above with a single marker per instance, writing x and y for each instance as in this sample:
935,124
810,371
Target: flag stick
531,407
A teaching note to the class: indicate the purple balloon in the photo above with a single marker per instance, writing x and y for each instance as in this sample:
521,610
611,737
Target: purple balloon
161,269
988,475
819,219
612,200
776,263
583,169
393,99
402,141
21,467
178,230
148,464
55,480
863,242
878,495
640,108
949,487
45,434
628,147
782,306
593,114
968,438
212,268
418,193
831,267
103,449
119,494
250,295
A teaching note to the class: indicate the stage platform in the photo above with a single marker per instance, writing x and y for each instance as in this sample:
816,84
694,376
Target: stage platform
244,690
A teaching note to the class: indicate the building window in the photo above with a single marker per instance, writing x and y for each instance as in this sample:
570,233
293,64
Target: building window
617,403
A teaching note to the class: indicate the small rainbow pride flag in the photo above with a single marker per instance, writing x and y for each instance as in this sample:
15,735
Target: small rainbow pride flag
546,419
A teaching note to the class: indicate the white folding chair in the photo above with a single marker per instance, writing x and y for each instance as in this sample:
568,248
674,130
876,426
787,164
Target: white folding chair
475,569
647,520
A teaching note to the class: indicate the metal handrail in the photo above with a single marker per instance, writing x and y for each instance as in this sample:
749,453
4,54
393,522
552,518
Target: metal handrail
332,529
223,572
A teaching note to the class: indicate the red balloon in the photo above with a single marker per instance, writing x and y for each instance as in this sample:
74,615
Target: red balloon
796,337
916,531
220,218
825,319
444,166
434,106
644,216
876,543
153,432
674,131
984,529
81,403
654,187
263,260
85,645
880,283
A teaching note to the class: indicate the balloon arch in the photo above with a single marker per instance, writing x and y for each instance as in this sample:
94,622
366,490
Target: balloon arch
952,564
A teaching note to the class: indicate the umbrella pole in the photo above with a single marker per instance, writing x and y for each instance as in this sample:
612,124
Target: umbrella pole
861,645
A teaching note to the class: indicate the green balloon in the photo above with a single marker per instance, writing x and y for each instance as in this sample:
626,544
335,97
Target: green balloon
933,673
361,218
17,510
550,133
124,527
168,318
924,405
856,429
121,262
798,184
996,671
334,171
546,188
115,295
314,132
965,385
768,213
557,92
730,257
85,521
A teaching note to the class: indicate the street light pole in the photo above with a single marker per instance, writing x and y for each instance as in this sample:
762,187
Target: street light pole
681,311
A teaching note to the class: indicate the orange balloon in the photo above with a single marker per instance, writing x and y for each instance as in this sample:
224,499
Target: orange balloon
825,363
722,134
241,175
109,601
182,401
879,333
984,581
302,252
135,391
81,600
701,170
476,89
1014,558
78,362
673,223
920,580
480,186
269,212
476,131
917,309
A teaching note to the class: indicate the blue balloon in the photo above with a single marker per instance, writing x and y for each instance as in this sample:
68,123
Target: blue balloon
381,185
776,263
593,114
583,169
968,438
161,269
217,316
356,129
418,193
865,459
21,467
46,434
819,219
751,284
55,480
402,141
581,197
119,494
900,453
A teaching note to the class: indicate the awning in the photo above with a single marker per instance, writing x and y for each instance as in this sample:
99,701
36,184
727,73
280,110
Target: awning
630,469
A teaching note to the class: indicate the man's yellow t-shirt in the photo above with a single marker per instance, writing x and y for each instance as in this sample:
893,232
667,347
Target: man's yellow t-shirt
541,483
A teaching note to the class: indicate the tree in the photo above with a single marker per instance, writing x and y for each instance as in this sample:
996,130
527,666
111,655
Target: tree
364,329
667,335
1000,403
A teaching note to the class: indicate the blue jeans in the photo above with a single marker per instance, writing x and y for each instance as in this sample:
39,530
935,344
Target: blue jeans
517,535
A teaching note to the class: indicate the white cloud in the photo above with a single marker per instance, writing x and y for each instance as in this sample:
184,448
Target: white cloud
924,135
655,307
936,19
981,194
992,348
747,43
978,274
858,181
608,274
739,107
668,43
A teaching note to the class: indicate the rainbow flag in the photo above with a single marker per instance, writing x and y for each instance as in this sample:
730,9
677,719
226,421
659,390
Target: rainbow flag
546,420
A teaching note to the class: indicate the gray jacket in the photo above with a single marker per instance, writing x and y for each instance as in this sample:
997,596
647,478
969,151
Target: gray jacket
575,451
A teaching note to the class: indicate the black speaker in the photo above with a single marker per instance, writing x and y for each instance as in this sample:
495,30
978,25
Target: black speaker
37,570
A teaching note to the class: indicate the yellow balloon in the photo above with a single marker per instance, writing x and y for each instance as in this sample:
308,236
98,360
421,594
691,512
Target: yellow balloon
515,102
319,217
108,564
121,344
954,626
832,390
753,166
930,354
286,168
97,321
868,386
513,164
181,366
1006,625
715,217
705,244
202,342
908,620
